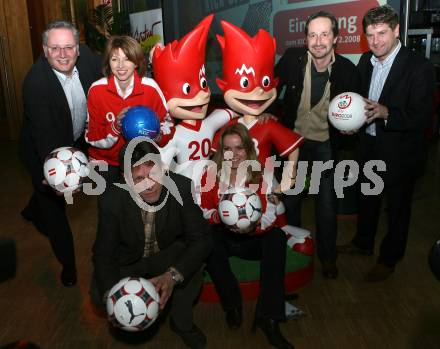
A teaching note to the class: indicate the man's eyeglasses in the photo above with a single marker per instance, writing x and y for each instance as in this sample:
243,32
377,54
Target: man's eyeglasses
323,35
56,50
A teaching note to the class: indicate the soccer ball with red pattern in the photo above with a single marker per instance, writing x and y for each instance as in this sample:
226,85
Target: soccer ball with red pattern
66,168
133,304
240,209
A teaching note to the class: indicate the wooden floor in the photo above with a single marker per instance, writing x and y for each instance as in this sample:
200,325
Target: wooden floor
402,312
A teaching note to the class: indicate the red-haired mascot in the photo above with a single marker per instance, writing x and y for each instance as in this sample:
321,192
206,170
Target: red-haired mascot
249,87
179,69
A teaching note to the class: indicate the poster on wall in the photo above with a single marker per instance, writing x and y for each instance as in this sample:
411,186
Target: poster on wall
288,23
147,28
284,19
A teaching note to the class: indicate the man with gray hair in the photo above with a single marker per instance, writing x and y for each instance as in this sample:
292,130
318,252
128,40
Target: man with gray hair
55,112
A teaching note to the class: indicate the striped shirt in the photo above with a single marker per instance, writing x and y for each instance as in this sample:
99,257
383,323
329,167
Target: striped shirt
151,247
378,78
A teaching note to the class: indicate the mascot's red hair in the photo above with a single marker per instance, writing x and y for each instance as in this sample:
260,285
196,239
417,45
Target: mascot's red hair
179,69
248,83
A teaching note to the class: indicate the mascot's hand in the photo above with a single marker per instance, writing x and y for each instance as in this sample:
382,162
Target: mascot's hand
167,126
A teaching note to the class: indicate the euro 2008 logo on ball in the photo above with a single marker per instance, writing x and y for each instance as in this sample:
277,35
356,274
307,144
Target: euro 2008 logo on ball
346,111
344,101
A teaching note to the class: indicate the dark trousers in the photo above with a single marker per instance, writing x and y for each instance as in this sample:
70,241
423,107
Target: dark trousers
398,195
184,295
325,201
270,249
48,210
48,213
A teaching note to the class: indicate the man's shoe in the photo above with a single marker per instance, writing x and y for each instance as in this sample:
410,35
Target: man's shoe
379,272
329,270
353,249
275,338
193,338
234,318
68,277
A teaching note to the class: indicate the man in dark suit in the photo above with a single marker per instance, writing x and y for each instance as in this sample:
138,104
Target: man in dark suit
55,112
399,86
312,78
152,228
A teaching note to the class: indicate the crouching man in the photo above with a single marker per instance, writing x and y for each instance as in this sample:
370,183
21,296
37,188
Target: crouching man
150,227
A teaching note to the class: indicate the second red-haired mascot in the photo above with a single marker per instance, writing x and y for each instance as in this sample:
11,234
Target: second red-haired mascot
249,88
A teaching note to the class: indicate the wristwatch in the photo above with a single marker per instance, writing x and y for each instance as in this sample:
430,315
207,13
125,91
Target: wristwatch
175,275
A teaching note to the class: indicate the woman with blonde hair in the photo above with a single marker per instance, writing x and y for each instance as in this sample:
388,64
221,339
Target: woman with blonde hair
264,241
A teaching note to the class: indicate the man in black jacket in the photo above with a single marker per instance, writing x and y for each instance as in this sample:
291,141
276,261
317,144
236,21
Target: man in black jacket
55,112
152,228
311,79
399,85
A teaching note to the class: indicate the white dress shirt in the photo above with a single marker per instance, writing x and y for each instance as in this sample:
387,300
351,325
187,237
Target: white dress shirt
378,78
76,98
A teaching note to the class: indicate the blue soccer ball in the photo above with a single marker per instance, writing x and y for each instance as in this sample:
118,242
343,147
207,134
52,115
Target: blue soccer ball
140,121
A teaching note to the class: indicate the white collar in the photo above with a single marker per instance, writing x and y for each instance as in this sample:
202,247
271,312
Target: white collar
63,77
389,59
128,90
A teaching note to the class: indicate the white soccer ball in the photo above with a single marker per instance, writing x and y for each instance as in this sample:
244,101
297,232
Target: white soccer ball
240,209
133,304
66,168
346,111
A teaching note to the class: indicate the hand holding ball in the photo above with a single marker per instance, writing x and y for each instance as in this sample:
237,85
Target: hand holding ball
240,210
140,121
346,111
133,304
65,169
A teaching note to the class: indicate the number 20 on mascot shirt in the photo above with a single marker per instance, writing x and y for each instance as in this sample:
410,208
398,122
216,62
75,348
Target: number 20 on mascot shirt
179,69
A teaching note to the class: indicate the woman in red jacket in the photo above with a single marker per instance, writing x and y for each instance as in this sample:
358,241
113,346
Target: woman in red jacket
123,86
265,242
